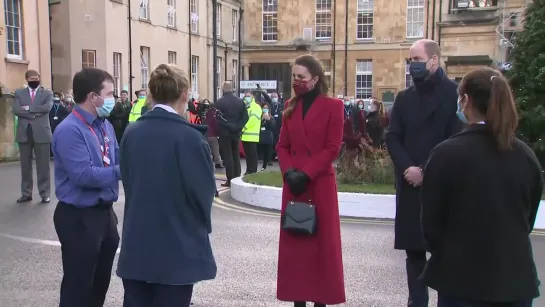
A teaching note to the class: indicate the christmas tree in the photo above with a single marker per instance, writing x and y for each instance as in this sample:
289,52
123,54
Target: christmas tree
527,78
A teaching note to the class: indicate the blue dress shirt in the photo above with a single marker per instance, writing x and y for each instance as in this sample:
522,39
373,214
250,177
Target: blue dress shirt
81,178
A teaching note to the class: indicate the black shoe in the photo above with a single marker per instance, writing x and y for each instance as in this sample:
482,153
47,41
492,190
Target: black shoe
270,164
217,193
46,200
262,169
226,184
24,199
219,166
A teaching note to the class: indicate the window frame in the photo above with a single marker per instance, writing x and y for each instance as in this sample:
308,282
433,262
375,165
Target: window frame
269,10
218,73
85,58
364,73
194,74
143,13
323,7
117,72
171,13
420,10
172,58
408,77
219,8
327,66
370,12
144,70
194,12
234,17
17,29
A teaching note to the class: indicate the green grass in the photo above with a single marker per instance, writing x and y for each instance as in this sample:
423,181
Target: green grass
274,178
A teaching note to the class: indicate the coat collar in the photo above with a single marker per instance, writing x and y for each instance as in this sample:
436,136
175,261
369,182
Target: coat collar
88,117
162,114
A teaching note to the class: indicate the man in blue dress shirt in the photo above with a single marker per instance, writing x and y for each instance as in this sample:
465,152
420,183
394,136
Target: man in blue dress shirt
87,184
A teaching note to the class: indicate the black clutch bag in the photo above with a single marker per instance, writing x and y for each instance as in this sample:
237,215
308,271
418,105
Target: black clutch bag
299,218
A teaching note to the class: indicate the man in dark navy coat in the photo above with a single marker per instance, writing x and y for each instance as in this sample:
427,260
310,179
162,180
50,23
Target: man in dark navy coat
422,116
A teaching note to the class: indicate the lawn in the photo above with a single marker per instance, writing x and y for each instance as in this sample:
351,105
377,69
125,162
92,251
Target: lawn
274,178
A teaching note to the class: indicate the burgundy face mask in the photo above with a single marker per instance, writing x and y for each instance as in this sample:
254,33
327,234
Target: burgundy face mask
300,87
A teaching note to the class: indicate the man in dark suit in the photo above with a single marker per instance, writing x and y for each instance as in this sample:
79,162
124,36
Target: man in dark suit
32,105
277,107
422,116
230,127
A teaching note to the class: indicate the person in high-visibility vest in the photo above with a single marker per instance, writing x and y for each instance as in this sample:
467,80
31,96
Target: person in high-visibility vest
250,132
136,110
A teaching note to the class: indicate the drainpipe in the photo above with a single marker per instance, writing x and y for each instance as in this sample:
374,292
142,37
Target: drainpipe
333,47
190,39
346,49
131,77
440,20
215,48
239,68
433,20
50,46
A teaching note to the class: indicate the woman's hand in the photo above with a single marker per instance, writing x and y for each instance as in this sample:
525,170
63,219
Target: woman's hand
297,182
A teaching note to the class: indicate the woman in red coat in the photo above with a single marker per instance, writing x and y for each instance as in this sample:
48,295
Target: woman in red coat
310,268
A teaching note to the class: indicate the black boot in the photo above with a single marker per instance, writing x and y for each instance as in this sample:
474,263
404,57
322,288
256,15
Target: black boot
418,291
299,304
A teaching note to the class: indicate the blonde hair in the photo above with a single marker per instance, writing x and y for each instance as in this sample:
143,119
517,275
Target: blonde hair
167,83
380,106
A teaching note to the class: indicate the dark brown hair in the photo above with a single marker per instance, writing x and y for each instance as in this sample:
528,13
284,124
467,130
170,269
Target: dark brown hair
316,70
491,96
31,73
167,84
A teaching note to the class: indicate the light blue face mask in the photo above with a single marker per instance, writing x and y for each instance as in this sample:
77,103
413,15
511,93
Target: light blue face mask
248,99
460,112
141,96
265,111
275,100
106,108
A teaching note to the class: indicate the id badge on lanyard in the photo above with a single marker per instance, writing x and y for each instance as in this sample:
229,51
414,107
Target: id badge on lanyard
104,149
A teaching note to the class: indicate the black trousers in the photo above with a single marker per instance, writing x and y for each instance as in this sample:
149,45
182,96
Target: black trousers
250,150
143,294
445,301
89,241
266,151
304,304
418,291
230,152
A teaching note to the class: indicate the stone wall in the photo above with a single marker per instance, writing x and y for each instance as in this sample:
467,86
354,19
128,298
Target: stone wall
8,148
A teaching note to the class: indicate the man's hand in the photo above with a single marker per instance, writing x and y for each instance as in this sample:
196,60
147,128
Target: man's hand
413,175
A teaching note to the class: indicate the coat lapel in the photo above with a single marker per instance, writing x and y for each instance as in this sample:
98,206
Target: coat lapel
303,126
38,95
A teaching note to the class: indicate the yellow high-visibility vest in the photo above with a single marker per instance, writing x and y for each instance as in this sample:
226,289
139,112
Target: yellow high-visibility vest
136,110
251,131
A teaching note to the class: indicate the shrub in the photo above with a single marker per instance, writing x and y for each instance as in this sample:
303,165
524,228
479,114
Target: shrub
370,166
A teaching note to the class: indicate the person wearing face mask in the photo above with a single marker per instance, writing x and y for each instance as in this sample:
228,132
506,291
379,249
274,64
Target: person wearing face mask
266,135
68,102
423,116
310,267
480,196
33,134
277,106
87,178
139,106
57,114
173,238
250,132
375,124
120,115
354,134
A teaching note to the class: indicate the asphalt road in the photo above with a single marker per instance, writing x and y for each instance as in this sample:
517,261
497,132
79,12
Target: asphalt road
244,242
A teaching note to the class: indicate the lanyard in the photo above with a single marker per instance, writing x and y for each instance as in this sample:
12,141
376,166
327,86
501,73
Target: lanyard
104,149
347,111
57,109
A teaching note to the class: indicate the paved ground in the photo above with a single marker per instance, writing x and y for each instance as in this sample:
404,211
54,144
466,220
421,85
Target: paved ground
244,242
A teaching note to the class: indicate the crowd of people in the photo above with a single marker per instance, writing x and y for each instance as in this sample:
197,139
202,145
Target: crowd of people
467,190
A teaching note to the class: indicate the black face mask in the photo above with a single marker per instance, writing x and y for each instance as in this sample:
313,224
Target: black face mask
33,84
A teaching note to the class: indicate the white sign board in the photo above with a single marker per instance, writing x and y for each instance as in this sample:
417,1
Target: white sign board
264,84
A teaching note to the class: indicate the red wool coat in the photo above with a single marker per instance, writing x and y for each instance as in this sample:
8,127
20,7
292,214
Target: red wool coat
310,268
